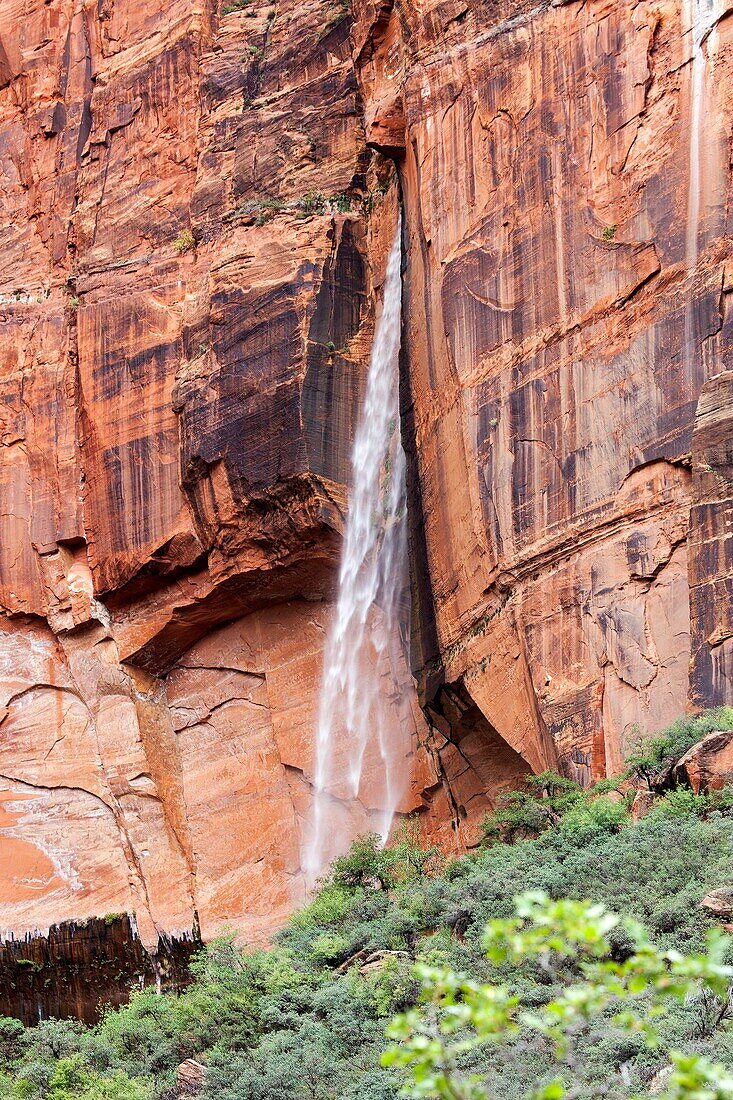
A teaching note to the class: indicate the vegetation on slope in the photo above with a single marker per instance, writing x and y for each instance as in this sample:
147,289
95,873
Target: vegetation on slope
306,1019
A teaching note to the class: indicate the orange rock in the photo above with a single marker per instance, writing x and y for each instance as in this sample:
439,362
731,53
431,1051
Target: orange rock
708,766
642,804
565,337
196,212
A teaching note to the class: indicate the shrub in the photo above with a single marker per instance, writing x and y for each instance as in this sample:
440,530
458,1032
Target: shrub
341,201
525,814
593,816
367,864
311,203
12,1040
72,1080
651,755
344,964
329,906
413,862
184,241
570,943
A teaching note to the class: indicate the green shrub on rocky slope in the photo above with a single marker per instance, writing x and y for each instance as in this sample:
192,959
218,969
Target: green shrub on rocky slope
306,1020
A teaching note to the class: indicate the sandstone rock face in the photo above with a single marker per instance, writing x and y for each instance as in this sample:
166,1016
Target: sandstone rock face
197,205
708,765
568,342
78,966
195,236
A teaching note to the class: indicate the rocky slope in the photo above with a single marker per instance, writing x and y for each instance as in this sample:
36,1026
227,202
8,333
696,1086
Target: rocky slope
196,207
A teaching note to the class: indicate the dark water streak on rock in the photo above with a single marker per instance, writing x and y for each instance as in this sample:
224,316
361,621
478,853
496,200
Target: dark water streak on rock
78,969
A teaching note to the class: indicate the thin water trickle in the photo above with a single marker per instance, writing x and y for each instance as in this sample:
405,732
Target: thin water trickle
702,17
360,714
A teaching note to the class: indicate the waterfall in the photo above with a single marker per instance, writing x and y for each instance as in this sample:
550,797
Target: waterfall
361,713
702,14
702,18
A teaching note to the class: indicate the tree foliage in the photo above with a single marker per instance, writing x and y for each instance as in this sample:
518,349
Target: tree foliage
570,942
305,1019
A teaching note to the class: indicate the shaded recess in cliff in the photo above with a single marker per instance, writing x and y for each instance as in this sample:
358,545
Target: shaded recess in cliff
424,645
474,762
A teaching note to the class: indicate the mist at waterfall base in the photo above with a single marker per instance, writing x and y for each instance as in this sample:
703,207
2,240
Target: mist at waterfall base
362,738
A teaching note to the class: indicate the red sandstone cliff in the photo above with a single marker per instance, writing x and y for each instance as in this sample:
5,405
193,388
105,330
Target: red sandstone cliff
196,206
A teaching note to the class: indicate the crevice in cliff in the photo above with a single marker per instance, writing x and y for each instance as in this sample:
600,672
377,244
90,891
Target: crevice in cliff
474,763
425,656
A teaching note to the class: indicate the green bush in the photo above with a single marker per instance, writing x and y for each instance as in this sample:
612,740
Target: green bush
570,942
367,864
72,1080
311,203
593,816
329,906
184,241
652,755
552,799
305,1018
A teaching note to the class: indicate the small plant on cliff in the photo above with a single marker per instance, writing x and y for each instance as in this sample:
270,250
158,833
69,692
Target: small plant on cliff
311,203
235,5
609,232
341,202
267,208
184,241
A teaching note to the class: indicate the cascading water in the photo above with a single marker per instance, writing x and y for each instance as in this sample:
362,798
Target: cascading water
703,14
702,17
361,721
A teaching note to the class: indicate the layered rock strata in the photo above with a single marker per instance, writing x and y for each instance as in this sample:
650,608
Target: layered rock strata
196,206
565,171
195,234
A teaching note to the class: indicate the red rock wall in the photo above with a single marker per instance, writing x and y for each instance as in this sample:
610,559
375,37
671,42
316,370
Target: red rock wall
565,170
182,353
184,331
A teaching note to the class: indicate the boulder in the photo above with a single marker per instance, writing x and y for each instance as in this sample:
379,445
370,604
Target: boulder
190,1078
708,765
642,804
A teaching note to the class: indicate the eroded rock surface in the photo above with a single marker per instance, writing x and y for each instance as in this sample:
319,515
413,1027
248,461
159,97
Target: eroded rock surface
567,193
197,206
195,236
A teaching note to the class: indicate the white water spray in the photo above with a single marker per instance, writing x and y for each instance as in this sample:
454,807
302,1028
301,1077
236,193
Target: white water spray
702,16
360,720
